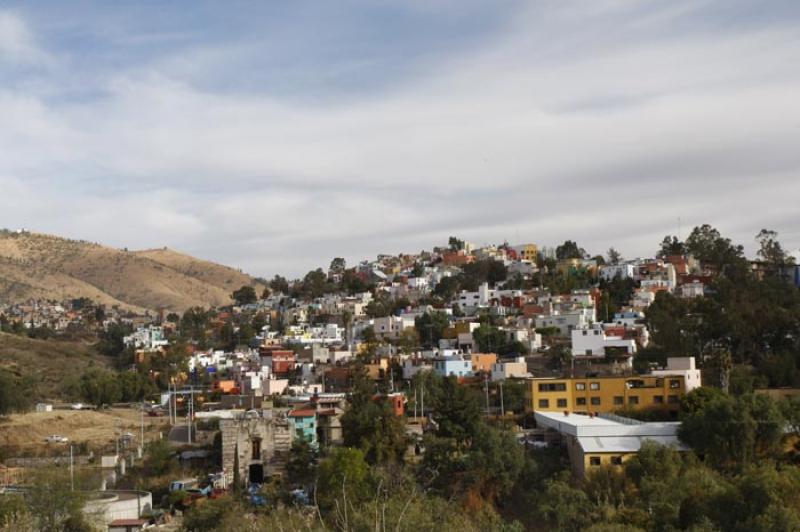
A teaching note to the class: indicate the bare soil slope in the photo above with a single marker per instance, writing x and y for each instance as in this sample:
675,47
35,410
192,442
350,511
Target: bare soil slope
34,265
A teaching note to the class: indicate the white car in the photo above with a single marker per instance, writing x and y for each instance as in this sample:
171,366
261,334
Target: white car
55,438
78,406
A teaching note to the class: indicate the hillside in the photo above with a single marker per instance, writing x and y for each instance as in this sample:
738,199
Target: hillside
50,361
34,265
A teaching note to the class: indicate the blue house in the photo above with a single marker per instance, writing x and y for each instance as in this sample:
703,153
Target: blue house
456,366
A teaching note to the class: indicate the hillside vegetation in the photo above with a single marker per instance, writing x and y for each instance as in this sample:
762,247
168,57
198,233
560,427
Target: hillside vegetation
49,362
40,266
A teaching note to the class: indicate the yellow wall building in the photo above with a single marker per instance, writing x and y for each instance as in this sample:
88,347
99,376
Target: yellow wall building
604,394
529,252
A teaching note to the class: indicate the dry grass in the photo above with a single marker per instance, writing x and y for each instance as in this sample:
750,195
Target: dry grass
98,428
50,361
44,266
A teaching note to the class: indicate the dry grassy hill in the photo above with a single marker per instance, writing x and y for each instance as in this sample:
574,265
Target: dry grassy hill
34,265
50,361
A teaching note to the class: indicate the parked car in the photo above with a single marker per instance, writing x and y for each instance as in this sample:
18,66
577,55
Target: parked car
56,438
77,406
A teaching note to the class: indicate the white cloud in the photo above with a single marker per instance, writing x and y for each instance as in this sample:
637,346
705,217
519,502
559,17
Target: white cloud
598,126
17,44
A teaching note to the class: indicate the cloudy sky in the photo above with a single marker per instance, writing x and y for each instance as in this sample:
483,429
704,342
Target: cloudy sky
273,136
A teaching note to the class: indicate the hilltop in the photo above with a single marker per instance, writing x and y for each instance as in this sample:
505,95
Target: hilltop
40,266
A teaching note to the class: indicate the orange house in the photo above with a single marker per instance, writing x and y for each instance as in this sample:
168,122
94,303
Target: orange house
483,362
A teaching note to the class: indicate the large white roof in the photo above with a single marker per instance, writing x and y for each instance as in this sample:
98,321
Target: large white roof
607,426
625,444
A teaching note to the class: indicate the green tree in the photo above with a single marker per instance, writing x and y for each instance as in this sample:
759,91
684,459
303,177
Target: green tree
245,295
614,256
279,284
569,250
100,387
344,480
431,326
671,246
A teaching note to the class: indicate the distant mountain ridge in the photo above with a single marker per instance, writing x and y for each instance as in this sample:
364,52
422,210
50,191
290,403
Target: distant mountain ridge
34,265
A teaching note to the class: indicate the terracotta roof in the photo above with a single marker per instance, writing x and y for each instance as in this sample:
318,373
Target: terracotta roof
302,413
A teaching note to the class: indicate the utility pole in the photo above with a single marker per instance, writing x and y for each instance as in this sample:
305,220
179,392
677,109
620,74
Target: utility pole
141,431
502,406
486,391
71,470
189,418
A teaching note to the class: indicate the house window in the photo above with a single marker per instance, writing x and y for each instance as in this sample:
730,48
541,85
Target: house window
553,387
672,399
562,403
584,333
580,386
674,383
580,401
616,460
594,460
658,399
544,403
595,401
633,400
256,449
594,386
588,352
596,333
619,400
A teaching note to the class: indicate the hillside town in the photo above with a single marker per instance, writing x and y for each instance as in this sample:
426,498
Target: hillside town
572,359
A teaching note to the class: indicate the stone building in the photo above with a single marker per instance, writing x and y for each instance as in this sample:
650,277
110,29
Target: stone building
262,439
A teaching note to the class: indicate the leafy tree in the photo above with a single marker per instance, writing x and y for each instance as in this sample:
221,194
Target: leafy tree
563,507
344,479
111,342
734,431
614,256
447,288
279,284
15,395
245,295
570,250
301,466
338,265
671,246
458,411
53,504
431,326
371,425
100,387
455,244
770,250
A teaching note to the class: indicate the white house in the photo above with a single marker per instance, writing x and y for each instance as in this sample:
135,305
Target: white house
594,342
516,369
684,366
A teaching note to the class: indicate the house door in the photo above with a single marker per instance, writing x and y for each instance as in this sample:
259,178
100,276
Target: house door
256,475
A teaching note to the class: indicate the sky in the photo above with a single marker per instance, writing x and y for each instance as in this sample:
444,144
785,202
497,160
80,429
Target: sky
273,136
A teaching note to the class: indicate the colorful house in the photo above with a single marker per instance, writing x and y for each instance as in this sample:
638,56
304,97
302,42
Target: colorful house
303,424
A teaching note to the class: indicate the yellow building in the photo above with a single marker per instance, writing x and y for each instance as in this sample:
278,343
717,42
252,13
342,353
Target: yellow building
529,252
604,394
606,440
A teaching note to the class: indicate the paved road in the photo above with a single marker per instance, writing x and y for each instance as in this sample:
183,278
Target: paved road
180,434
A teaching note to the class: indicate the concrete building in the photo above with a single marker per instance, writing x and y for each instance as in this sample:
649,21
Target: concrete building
606,394
595,441
516,369
455,366
261,439
595,341
685,367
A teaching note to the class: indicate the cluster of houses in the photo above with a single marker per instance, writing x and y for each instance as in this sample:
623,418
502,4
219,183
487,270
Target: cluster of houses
72,314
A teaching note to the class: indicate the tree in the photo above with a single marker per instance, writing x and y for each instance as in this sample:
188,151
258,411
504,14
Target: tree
279,284
338,266
301,466
671,246
455,244
614,256
344,479
569,250
770,250
246,295
53,504
100,387
431,326
734,431
14,395
371,425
